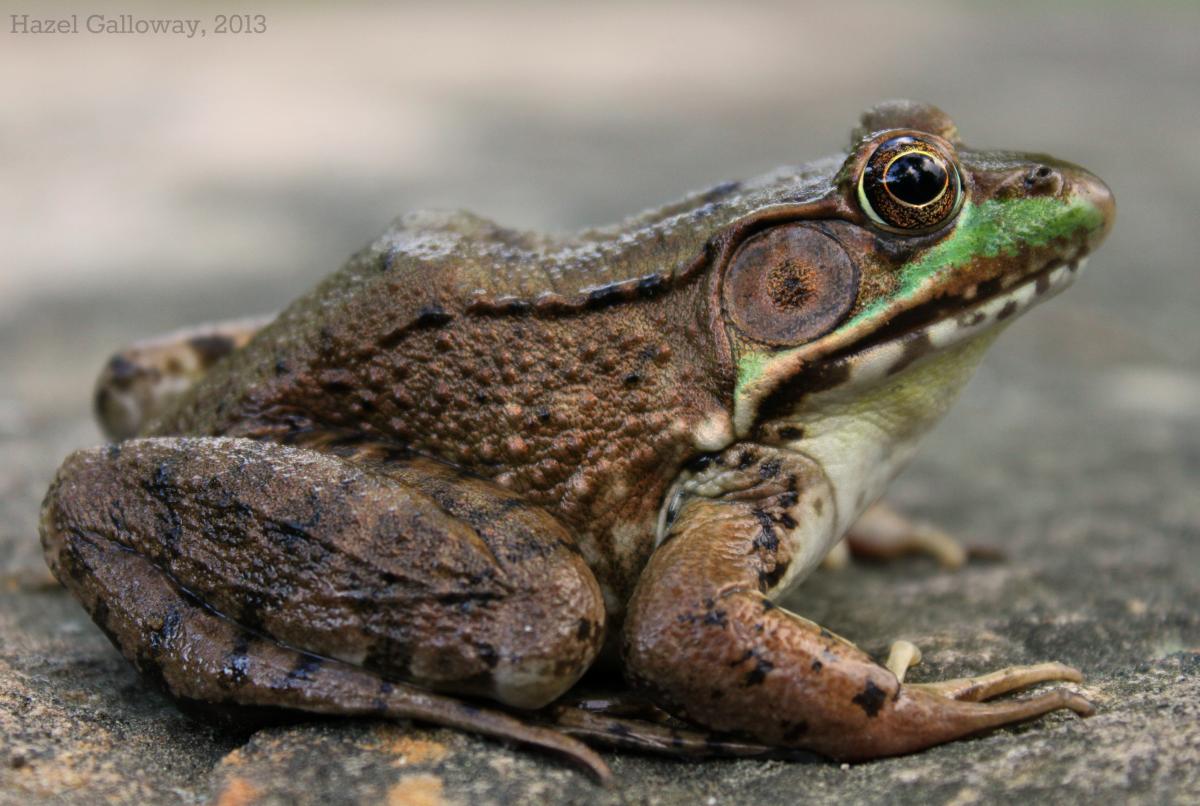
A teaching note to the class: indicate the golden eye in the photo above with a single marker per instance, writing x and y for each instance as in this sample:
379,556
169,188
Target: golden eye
909,185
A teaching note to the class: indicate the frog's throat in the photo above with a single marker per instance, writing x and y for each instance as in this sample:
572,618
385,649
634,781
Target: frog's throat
762,376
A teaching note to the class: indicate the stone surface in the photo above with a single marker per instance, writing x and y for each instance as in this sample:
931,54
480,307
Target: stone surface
150,174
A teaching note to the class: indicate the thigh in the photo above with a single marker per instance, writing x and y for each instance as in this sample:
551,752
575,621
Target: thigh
404,567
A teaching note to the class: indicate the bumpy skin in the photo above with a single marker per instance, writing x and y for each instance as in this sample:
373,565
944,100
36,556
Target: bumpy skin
471,454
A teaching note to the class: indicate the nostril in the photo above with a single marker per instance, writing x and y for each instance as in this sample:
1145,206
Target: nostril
1043,179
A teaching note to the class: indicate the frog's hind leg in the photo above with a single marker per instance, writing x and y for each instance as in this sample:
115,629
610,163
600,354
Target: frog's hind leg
243,573
143,379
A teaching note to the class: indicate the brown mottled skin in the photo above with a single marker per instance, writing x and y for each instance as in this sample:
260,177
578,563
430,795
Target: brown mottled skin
474,457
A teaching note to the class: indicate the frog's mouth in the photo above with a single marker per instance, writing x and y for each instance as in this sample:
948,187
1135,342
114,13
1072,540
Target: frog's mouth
941,323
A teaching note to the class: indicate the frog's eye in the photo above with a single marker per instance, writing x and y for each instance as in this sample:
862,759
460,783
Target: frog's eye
909,185
789,284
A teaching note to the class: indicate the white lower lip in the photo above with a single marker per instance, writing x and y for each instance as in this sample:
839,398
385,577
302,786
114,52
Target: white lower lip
878,361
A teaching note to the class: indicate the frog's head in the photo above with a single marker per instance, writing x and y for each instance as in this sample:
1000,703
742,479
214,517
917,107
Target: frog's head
920,244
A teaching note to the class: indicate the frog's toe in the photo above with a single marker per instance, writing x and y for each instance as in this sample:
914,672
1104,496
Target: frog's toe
1003,681
883,533
901,657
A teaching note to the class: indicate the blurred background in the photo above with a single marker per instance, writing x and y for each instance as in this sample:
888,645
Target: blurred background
148,182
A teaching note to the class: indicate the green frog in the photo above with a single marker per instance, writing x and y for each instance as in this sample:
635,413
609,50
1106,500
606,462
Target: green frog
475,462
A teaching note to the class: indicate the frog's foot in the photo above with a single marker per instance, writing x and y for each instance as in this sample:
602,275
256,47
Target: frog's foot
903,655
1003,681
705,640
883,533
140,381
253,576
656,732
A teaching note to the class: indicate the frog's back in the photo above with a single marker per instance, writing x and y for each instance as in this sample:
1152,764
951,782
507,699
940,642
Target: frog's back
438,271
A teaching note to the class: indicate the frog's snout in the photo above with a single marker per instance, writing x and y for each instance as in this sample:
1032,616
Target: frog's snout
1091,189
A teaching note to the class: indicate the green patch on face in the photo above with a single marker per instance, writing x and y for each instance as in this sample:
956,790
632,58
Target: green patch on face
750,366
991,229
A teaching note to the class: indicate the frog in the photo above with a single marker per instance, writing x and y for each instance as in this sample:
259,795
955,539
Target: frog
477,462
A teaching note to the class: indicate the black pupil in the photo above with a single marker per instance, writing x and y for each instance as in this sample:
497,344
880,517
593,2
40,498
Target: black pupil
915,178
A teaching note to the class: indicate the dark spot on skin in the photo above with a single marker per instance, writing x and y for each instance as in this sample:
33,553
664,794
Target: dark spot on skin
605,295
745,460
871,699
825,633
700,463
631,379
488,654
122,371
784,397
386,688
972,319
715,618
914,347
766,538
787,521
749,654
543,414
770,469
817,665
818,505
516,306
790,433
165,636
237,663
583,630
617,729
306,666
759,672
769,579
114,451
788,500
429,317
211,347
281,367
650,285
513,504
1008,310
767,604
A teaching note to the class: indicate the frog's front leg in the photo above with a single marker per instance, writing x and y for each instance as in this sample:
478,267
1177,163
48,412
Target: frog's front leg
704,637
242,574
